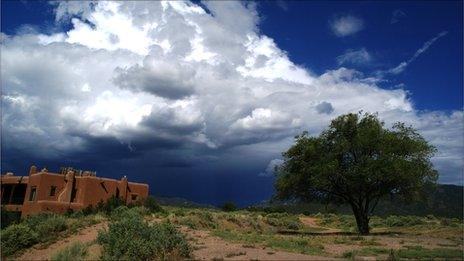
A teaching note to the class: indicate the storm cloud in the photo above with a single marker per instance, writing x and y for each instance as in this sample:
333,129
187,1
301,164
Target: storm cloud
171,84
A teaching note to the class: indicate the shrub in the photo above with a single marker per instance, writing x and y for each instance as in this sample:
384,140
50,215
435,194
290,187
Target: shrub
46,225
76,251
111,204
151,204
403,221
17,237
283,221
122,212
229,206
132,238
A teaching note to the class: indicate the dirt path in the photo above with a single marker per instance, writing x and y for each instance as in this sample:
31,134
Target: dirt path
85,235
207,247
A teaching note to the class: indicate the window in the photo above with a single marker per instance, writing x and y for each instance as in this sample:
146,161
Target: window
33,193
52,191
134,197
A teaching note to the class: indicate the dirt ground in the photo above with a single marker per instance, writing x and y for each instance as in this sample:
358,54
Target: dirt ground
209,247
206,247
85,235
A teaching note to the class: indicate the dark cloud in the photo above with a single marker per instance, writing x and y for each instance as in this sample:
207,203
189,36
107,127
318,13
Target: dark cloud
324,107
167,80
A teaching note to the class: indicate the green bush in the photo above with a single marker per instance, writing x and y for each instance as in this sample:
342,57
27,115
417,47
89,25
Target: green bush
111,204
420,253
76,251
122,212
151,204
17,237
283,221
46,225
132,238
403,221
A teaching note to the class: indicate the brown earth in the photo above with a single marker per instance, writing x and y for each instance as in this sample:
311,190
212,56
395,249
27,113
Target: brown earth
85,235
311,222
208,247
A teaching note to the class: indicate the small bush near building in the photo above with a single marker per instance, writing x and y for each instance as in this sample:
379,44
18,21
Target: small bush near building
151,204
17,237
46,225
129,237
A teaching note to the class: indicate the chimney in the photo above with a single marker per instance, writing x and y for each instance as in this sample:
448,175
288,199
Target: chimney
32,170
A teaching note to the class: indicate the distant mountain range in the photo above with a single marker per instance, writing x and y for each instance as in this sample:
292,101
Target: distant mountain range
442,201
181,202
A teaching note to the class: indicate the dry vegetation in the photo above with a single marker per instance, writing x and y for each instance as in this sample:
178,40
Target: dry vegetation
141,233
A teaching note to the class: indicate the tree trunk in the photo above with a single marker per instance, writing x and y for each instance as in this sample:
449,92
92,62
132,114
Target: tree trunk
362,221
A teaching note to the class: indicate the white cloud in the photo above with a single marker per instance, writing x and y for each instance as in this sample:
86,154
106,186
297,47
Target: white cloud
355,57
402,66
218,86
346,25
271,167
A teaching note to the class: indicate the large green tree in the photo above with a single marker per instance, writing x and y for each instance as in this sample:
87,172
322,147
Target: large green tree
357,161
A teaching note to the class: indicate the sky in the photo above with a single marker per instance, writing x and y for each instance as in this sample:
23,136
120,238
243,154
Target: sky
199,99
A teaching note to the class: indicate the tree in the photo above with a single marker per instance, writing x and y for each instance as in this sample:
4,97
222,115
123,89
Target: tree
356,161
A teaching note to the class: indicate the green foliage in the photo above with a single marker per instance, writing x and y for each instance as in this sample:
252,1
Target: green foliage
151,204
404,221
76,251
17,237
293,244
196,219
111,204
130,237
418,252
283,221
357,161
42,228
9,217
46,225
229,206
367,251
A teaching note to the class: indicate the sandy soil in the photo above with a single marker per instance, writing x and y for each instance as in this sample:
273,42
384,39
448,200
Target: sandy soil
209,247
206,247
311,222
85,235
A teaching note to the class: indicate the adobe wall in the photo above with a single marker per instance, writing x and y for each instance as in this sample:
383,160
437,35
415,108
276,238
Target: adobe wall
72,192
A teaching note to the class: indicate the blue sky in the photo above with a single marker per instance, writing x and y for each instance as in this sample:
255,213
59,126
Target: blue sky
302,30
116,88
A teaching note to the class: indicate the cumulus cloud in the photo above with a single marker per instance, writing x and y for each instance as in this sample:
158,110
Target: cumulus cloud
124,84
171,80
354,57
324,107
346,25
271,168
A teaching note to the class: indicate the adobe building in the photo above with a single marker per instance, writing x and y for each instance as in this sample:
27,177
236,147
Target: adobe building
43,191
